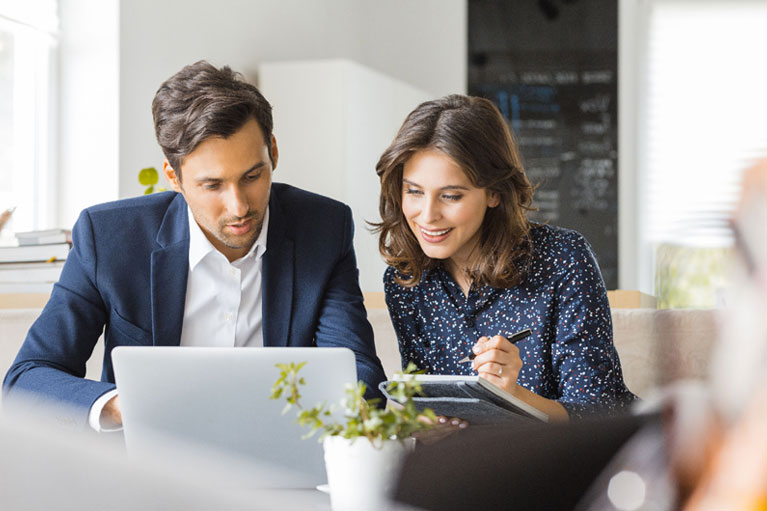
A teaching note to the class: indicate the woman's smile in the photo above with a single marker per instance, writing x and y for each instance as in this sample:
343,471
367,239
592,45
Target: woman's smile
434,235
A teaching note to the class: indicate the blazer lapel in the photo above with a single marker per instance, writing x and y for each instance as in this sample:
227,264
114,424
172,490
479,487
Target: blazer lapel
170,268
277,276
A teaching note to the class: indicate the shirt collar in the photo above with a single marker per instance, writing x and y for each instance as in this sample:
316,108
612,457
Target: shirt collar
200,246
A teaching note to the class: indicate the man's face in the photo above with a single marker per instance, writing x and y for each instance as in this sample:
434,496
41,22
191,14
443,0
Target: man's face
226,182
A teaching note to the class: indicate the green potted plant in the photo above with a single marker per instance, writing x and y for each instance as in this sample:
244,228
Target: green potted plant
364,448
149,177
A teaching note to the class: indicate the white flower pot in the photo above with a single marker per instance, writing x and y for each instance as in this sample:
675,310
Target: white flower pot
361,475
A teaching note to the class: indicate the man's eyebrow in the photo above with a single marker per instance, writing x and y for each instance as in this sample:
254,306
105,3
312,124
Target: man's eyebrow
448,187
205,179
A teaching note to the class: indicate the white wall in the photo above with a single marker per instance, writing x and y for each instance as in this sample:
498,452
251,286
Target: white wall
420,42
632,21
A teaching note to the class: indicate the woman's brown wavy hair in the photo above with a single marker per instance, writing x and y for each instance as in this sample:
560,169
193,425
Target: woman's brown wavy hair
471,131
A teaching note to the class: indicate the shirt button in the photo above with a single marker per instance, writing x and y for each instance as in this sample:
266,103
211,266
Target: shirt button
232,272
229,316
470,322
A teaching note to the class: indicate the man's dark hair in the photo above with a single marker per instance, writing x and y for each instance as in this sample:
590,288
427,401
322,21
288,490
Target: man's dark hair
200,102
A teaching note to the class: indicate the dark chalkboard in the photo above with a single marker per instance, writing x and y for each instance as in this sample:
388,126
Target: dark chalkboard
555,81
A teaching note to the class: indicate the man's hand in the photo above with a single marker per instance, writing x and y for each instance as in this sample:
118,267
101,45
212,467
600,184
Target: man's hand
111,416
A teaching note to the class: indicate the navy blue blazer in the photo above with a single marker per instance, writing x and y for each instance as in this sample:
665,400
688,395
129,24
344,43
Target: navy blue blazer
126,275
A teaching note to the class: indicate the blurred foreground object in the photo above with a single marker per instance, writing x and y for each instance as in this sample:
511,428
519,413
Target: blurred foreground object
90,472
81,470
735,476
530,467
739,363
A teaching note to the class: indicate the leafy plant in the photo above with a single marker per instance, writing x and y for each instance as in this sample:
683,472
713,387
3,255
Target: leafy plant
149,178
362,418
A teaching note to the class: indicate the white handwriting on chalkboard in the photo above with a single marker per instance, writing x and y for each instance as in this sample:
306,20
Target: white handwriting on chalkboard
538,141
538,124
534,77
564,77
537,173
597,128
589,77
597,168
547,78
593,147
547,202
596,104
592,188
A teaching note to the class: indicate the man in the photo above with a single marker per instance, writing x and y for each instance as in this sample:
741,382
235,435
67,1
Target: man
229,259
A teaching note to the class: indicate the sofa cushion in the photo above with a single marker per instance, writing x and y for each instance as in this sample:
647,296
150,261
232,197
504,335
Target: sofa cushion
658,347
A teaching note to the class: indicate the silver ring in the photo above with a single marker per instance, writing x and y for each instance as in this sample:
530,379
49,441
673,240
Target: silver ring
500,371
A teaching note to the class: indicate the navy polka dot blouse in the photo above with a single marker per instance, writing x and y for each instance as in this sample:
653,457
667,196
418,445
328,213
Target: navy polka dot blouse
570,357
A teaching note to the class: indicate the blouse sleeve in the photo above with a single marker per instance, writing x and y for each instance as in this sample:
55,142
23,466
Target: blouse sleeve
583,354
402,311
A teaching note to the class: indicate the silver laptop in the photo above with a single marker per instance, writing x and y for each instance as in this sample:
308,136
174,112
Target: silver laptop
218,399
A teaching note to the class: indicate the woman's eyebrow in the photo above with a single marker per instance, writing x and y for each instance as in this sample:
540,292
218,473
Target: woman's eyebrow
448,187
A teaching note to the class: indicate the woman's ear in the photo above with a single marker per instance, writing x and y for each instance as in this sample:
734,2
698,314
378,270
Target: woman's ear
493,199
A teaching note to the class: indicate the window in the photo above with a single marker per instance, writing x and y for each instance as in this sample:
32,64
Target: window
28,38
703,117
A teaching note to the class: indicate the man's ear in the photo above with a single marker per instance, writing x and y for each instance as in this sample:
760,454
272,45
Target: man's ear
493,199
171,176
275,153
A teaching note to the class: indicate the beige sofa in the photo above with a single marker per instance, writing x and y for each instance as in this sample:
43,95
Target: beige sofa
655,346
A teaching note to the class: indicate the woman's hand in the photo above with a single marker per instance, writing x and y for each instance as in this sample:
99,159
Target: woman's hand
441,428
498,361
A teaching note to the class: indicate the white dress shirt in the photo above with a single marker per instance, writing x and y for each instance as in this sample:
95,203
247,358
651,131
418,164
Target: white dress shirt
223,300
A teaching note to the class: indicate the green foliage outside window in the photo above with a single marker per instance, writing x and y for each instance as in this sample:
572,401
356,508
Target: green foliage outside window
689,276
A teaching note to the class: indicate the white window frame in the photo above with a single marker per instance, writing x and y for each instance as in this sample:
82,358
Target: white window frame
35,32
637,244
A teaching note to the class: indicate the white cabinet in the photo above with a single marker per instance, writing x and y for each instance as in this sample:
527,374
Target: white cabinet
332,121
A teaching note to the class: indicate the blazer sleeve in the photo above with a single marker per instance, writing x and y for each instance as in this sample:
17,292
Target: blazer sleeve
343,319
50,366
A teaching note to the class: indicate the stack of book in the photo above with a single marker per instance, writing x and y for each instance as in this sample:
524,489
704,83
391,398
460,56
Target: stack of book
34,263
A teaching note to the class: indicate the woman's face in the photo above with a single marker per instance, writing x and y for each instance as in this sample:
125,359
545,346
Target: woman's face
443,209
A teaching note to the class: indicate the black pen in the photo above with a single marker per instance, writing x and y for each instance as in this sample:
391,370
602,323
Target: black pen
514,338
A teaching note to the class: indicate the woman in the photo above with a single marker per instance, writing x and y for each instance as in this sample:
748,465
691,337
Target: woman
467,269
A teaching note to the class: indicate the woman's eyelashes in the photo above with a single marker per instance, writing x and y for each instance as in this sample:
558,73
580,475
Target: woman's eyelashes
447,197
